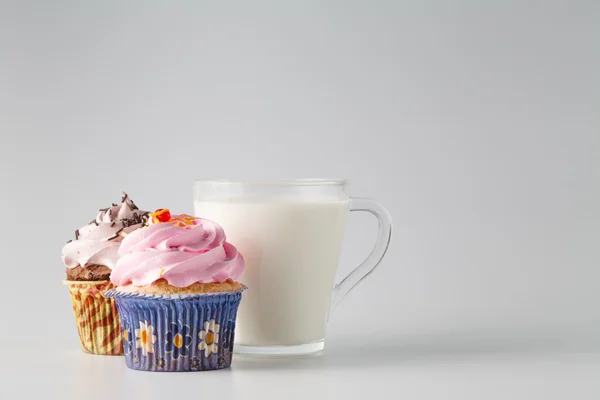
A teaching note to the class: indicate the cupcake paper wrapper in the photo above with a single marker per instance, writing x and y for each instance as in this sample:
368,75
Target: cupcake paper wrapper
96,317
176,333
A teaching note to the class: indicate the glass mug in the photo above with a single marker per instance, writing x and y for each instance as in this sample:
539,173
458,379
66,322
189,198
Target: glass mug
290,234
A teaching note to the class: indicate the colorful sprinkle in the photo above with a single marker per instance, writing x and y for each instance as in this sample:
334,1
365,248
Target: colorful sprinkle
184,221
161,215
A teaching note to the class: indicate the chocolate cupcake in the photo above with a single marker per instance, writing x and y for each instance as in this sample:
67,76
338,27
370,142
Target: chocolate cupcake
89,261
178,294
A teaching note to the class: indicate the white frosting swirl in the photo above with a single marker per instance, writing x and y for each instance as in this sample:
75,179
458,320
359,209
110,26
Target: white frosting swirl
98,242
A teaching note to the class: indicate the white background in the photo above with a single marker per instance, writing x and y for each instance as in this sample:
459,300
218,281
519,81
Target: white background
475,123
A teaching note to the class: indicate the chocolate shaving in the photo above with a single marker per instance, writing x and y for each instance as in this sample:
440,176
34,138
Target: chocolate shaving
69,241
116,235
114,204
124,197
133,206
134,220
131,221
104,209
77,234
94,222
112,224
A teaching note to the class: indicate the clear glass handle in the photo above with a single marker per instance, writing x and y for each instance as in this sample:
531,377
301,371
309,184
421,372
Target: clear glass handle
374,259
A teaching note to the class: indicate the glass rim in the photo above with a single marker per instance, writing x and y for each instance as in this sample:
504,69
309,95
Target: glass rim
291,182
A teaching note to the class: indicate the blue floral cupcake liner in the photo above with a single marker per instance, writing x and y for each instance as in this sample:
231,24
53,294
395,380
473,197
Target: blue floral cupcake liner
175,333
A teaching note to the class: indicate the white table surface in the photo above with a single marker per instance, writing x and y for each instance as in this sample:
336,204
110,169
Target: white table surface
345,370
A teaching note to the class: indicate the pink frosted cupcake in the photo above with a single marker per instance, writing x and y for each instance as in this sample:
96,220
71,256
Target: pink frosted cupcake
178,294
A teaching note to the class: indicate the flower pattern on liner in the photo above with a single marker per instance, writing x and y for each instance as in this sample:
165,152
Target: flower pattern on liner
127,340
195,365
187,333
227,335
209,338
178,340
145,338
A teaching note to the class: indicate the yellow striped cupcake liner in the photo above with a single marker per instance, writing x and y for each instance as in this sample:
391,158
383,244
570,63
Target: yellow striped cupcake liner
98,322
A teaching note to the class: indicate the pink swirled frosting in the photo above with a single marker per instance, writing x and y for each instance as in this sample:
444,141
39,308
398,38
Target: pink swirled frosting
181,253
98,242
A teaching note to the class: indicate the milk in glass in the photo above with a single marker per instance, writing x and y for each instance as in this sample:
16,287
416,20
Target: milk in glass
291,248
